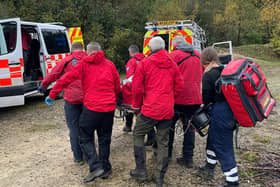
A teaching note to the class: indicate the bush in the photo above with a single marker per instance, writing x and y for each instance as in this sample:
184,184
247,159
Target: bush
118,49
275,40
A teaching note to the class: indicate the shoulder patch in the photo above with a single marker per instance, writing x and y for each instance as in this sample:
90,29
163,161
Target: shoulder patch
127,68
74,61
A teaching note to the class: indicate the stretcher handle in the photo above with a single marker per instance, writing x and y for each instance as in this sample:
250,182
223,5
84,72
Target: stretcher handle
255,69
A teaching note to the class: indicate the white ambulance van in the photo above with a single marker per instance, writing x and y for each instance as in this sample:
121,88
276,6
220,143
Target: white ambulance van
28,51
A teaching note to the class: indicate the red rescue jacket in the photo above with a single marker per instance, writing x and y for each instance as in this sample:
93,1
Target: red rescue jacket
100,82
73,93
192,71
155,84
130,70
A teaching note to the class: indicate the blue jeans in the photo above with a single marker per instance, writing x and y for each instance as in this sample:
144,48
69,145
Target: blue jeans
220,140
72,115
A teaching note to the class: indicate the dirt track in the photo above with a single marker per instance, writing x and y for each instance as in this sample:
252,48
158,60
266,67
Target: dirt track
35,150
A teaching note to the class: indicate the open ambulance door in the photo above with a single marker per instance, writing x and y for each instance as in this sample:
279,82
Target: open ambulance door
11,63
224,50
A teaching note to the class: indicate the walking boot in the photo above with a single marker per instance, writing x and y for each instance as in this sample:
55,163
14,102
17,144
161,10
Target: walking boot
206,171
159,183
188,163
106,174
93,175
140,172
127,129
229,184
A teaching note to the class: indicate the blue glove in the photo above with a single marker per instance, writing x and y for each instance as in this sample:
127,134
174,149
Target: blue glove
49,101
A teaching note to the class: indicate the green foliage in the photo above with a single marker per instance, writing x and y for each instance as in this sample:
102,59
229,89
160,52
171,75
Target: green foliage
250,156
275,40
258,51
118,51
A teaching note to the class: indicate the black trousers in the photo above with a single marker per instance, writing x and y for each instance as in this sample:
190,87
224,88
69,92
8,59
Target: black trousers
129,119
102,122
183,112
72,115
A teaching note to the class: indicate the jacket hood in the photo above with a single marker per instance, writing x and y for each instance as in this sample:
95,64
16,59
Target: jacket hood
78,54
185,47
95,58
161,59
139,56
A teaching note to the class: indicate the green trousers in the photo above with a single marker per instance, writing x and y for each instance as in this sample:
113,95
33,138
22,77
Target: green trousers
143,126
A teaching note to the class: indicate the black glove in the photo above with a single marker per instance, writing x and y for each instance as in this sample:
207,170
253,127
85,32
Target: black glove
42,90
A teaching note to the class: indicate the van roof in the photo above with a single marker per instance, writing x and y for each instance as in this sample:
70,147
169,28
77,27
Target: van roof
54,25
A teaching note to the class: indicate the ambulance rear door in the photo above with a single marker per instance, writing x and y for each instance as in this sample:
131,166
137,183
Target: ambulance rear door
11,63
55,45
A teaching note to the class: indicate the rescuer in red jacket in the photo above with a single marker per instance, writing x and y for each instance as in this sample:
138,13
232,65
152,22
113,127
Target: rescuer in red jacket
130,68
73,96
156,83
189,100
101,87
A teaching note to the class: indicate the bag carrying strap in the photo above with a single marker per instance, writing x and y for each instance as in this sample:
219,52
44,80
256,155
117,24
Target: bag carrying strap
191,55
66,64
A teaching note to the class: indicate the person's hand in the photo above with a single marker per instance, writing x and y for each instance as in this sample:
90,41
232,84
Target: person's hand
42,89
49,101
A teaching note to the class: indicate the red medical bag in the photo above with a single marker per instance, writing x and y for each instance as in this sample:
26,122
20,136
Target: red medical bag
245,89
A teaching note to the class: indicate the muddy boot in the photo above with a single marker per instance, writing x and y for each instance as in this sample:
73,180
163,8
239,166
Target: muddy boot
188,163
160,172
140,173
93,175
229,184
127,129
206,171
106,174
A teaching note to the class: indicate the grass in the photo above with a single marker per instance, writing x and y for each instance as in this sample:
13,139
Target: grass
250,156
262,139
263,52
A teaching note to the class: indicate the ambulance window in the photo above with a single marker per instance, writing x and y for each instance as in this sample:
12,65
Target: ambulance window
8,37
56,41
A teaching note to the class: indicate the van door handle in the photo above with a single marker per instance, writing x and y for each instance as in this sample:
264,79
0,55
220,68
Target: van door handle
13,63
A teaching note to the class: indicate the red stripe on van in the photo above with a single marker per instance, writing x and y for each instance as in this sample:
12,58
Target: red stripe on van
21,61
4,63
13,69
5,82
16,75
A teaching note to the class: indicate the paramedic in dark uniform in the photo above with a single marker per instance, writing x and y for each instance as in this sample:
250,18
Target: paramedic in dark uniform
220,136
190,98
